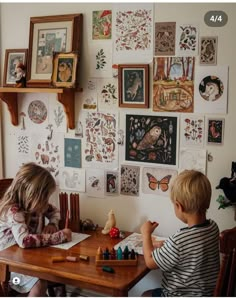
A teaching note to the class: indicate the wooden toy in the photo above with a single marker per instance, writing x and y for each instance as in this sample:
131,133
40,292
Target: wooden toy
111,222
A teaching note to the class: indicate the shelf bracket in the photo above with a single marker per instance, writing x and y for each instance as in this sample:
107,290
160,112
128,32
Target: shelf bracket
11,100
67,99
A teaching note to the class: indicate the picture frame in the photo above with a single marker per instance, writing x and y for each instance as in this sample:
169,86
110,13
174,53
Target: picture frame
215,131
64,72
133,83
48,34
12,58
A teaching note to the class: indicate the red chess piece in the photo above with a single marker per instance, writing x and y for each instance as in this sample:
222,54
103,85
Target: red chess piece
114,232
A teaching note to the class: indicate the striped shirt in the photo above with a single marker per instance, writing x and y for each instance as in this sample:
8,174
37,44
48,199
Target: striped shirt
190,261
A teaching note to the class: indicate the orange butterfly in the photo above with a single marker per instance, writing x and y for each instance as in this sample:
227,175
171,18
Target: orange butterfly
163,184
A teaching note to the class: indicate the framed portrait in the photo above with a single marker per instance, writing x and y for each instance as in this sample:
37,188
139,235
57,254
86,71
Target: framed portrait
12,58
64,69
215,130
49,34
133,82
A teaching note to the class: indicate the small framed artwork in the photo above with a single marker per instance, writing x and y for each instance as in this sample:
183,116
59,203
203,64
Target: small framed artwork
64,69
133,80
12,58
49,34
208,50
215,131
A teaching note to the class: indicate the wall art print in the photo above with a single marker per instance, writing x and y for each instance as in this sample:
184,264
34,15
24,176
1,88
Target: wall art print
165,38
102,24
192,159
129,180
215,131
72,152
173,84
187,40
208,52
72,179
95,183
37,111
151,139
111,182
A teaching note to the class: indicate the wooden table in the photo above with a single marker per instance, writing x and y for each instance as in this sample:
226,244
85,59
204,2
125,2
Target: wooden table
83,274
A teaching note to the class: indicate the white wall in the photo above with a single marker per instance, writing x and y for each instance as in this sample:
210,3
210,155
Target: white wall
132,211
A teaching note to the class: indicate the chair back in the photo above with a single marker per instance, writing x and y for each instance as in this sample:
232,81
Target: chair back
225,285
4,184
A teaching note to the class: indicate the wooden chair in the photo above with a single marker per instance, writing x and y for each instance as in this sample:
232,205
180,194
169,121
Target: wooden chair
225,285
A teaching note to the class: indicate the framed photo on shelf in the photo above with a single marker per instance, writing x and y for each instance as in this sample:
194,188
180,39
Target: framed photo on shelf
49,34
215,131
133,82
12,58
64,69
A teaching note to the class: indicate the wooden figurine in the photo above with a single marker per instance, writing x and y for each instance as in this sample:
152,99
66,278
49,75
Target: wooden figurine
111,222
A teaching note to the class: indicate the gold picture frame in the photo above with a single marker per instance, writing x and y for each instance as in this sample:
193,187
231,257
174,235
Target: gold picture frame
133,82
49,34
64,70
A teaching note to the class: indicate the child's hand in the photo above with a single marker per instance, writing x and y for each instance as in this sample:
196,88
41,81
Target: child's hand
148,227
50,229
67,233
158,244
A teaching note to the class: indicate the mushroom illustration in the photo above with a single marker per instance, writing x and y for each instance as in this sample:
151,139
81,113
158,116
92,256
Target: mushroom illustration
23,119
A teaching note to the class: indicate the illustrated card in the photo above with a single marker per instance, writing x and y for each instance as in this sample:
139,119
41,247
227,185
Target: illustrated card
102,24
208,52
72,153
187,39
95,182
72,179
129,180
111,182
193,159
165,38
215,131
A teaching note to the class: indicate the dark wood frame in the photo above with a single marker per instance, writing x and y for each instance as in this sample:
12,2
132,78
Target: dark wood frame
8,52
145,84
55,70
76,40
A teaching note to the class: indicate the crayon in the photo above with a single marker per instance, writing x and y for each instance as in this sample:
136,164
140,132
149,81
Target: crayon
67,219
58,259
84,257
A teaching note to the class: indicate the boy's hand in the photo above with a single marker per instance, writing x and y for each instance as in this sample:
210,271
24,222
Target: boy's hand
67,233
148,227
50,229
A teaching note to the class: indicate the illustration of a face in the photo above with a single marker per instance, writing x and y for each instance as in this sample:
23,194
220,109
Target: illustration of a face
211,88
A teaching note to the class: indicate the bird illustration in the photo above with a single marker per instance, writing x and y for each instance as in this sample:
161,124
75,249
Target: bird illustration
228,185
213,131
149,138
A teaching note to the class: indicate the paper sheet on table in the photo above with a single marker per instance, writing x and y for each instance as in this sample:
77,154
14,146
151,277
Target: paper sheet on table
135,242
76,238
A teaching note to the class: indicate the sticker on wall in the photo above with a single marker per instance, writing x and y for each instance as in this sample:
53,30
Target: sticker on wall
210,90
165,38
72,153
111,183
173,84
215,131
102,24
192,159
95,183
208,52
129,180
187,39
157,180
151,139
72,179
56,114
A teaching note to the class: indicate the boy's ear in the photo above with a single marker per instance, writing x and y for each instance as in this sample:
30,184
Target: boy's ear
179,206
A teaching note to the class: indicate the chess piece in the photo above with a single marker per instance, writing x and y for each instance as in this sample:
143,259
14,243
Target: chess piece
111,222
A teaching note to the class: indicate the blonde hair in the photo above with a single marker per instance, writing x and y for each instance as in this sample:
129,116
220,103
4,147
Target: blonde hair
192,190
30,189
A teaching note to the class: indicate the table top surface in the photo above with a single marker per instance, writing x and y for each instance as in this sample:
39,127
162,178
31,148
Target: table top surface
39,260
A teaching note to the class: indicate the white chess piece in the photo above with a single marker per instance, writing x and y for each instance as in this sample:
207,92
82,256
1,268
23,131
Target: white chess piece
111,222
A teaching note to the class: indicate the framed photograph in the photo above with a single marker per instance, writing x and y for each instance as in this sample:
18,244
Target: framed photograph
215,131
64,69
12,58
133,85
49,34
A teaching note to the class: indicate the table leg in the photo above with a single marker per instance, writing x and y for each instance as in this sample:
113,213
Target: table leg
4,279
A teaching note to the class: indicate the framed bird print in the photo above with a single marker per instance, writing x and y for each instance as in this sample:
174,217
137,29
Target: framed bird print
215,131
151,139
157,180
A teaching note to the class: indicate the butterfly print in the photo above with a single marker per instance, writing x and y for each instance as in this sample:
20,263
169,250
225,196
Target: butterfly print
162,184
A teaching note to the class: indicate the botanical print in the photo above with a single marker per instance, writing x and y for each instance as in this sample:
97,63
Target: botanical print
111,182
151,139
187,40
95,182
101,59
129,180
56,114
107,92
102,24
37,111
210,92
192,131
173,84
72,179
23,145
157,180
100,140
133,32
72,153
192,159
100,65
208,52
165,38
215,131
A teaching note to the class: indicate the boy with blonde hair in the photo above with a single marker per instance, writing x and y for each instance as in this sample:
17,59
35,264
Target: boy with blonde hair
189,259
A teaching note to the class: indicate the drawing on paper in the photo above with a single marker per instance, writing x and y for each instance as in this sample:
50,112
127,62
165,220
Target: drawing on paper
211,88
72,155
129,180
37,111
101,59
193,159
95,182
72,179
58,116
215,131
151,139
111,182
187,37
208,53
102,24
173,84
23,144
192,131
165,38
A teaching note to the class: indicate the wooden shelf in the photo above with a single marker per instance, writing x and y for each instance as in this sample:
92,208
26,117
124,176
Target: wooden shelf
65,96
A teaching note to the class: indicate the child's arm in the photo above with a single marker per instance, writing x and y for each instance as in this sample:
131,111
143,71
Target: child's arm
146,231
